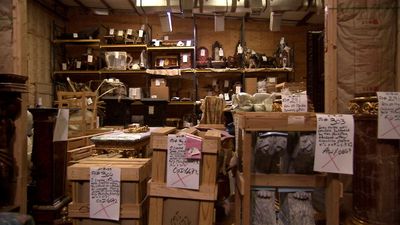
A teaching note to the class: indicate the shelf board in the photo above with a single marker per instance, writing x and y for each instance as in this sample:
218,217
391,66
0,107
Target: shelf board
122,71
182,103
76,72
144,46
76,41
155,48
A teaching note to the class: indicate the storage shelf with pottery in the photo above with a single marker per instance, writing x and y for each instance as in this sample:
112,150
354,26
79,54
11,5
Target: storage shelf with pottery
247,125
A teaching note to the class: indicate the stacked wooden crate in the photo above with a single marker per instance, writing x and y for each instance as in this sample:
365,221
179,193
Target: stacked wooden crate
135,174
79,145
161,196
247,124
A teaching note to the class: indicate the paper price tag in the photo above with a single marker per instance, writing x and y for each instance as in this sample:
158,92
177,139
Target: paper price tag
189,43
140,33
271,79
151,110
111,31
89,101
237,91
226,83
75,35
264,58
226,96
78,64
203,52
239,49
158,82
120,33
90,58
185,58
63,66
161,64
129,32
221,52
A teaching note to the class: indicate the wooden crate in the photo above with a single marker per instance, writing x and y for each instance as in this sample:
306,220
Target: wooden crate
134,177
207,193
79,145
246,124
84,102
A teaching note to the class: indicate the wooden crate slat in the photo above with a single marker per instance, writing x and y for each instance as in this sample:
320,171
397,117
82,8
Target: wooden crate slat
205,193
129,172
87,221
288,180
156,211
158,142
272,121
164,131
159,166
209,163
206,213
81,210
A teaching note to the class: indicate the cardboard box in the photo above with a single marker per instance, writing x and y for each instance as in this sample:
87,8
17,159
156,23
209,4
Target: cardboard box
160,92
250,85
159,82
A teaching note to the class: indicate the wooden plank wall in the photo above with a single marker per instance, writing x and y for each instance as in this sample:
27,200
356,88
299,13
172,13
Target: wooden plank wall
257,34
398,48
39,54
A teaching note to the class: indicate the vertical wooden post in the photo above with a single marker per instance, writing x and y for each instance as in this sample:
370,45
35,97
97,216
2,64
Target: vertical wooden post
247,154
20,66
331,77
333,193
398,49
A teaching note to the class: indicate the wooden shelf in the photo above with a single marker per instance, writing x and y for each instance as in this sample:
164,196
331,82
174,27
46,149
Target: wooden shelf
122,71
58,72
77,41
153,48
141,46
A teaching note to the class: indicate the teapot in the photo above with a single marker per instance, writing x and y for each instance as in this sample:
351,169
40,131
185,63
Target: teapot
118,60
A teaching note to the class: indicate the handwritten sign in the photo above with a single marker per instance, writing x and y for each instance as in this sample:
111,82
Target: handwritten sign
294,103
389,115
105,187
334,144
181,172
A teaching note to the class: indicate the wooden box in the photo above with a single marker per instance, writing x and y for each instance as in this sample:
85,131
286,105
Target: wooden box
246,124
206,195
79,145
134,176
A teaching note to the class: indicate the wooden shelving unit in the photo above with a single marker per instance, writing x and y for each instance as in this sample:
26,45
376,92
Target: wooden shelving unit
247,125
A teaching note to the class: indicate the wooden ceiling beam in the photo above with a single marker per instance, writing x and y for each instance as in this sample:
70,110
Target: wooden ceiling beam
133,5
107,5
305,18
83,6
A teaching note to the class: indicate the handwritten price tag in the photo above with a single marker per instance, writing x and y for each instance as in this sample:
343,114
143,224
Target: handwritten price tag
294,103
334,144
389,115
181,172
105,186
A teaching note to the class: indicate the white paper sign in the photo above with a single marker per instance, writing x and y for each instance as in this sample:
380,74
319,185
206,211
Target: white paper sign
129,32
61,127
140,33
111,31
389,115
105,193
181,172
334,144
185,58
202,52
294,103
120,33
189,43
90,58
75,35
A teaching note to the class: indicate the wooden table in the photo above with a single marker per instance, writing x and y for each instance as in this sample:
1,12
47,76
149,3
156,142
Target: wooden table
126,144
